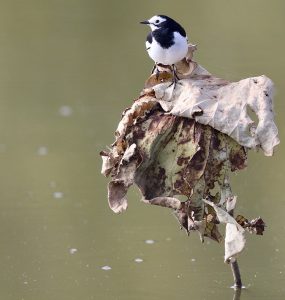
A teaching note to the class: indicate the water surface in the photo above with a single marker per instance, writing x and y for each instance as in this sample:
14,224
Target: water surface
68,69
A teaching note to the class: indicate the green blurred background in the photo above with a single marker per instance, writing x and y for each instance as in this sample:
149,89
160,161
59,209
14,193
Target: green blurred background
68,68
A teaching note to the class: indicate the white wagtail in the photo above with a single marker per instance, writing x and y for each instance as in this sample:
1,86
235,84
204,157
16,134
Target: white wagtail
167,42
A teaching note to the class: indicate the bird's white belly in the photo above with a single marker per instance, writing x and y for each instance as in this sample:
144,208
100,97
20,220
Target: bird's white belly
170,55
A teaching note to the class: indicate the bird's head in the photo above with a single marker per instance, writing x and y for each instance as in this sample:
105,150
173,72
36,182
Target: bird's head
157,22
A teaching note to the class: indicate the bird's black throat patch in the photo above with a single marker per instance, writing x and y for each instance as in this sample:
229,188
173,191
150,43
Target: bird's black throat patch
164,37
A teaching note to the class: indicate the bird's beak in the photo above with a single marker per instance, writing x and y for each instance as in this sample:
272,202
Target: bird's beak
145,22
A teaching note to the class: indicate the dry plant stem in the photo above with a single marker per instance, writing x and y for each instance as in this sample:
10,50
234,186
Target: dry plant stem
235,267
236,274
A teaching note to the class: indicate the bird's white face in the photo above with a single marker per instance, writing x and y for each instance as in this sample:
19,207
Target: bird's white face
155,21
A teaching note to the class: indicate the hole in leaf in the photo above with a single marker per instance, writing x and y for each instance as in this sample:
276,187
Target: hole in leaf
252,114
254,118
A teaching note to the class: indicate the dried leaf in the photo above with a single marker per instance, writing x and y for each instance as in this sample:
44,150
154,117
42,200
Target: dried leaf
107,164
116,195
224,216
184,139
234,241
169,202
224,106
212,232
256,226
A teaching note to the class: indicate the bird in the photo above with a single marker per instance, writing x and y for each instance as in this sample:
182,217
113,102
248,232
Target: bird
167,43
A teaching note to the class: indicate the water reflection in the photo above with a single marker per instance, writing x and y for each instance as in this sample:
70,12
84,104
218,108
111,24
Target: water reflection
237,294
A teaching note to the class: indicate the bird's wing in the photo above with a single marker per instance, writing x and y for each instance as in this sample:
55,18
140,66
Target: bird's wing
148,41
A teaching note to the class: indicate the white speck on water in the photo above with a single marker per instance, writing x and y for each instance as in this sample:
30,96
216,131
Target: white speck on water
65,111
25,282
73,250
42,151
193,259
138,260
277,250
106,268
149,242
57,195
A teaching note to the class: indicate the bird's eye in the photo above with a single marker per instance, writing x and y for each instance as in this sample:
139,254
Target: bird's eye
157,21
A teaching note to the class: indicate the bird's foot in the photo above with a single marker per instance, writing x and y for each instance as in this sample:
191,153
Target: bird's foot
175,78
174,82
174,73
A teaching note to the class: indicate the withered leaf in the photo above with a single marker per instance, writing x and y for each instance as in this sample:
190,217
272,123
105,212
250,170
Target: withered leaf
256,226
224,104
184,139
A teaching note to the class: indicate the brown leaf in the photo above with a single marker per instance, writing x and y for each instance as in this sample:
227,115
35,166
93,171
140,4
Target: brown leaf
169,202
256,226
184,139
224,107
116,195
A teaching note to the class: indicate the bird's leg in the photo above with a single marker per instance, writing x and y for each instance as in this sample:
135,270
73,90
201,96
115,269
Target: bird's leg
175,77
152,70
157,71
